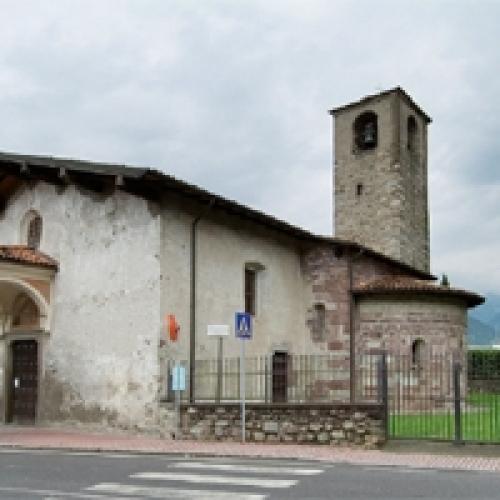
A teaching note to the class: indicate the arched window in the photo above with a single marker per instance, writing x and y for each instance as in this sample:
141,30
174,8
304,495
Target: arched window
417,352
412,134
366,131
31,229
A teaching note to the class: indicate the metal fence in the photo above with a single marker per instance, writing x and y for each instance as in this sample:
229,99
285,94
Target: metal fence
443,398
436,397
307,378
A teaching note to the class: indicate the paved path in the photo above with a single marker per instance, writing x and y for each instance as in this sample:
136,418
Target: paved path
54,438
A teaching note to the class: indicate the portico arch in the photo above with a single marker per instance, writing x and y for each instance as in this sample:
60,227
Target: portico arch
11,290
24,325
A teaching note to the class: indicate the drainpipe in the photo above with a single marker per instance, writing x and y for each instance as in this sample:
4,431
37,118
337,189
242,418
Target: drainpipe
192,300
352,327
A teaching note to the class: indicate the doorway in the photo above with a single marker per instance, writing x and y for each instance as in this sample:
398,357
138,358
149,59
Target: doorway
280,377
23,387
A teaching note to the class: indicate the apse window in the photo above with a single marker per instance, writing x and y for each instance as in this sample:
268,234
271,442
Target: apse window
417,352
366,131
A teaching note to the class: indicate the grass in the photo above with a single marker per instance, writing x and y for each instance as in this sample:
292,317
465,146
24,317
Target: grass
480,421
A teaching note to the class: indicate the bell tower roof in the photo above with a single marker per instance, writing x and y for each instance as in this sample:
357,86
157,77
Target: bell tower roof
396,90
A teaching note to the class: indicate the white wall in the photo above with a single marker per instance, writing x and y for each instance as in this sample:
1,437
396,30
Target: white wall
223,249
100,362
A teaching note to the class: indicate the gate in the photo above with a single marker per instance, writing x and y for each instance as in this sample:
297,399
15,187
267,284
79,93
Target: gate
441,398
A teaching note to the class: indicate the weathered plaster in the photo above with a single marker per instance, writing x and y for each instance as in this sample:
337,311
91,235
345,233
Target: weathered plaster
101,357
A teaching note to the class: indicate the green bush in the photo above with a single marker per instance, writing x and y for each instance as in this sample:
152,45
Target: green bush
483,365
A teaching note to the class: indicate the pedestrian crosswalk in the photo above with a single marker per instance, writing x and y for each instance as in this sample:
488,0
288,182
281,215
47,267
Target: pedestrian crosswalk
206,479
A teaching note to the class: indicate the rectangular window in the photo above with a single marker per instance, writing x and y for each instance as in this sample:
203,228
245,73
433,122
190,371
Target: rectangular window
250,289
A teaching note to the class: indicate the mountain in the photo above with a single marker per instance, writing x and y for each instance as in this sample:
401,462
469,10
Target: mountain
484,322
489,312
480,333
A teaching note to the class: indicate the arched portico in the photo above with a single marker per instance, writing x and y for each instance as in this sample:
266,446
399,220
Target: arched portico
24,322
25,318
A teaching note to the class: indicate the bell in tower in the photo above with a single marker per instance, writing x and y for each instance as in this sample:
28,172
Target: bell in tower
365,130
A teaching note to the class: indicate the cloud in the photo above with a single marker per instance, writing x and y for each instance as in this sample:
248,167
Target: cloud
233,96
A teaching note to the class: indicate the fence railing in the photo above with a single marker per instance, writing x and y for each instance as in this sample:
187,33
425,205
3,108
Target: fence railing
307,378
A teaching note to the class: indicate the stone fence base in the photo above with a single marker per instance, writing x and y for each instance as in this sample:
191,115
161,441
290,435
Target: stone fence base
334,424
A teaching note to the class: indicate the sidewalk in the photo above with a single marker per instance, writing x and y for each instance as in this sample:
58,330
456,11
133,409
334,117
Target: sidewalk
422,455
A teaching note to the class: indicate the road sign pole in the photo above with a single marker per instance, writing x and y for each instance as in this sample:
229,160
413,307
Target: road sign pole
178,413
242,389
243,331
219,370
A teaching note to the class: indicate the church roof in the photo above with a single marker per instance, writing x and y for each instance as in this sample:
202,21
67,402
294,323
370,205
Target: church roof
395,90
153,184
402,285
21,254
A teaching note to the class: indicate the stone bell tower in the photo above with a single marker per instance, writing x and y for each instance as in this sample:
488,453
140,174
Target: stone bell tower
380,176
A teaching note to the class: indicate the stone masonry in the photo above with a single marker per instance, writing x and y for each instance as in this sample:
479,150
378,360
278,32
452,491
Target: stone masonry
360,425
381,193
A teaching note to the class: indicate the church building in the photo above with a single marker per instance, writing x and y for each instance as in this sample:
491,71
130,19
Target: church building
94,257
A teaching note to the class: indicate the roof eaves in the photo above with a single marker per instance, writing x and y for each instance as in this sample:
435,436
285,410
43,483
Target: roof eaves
370,97
168,181
472,299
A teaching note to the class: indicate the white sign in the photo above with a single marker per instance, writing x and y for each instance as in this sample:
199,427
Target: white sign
218,330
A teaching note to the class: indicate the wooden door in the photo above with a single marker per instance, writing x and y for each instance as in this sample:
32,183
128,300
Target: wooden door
280,377
24,381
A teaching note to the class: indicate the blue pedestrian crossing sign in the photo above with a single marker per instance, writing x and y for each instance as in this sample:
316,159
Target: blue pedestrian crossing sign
243,326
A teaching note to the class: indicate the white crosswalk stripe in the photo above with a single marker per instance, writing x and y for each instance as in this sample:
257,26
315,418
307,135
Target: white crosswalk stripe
286,471
127,489
209,479
216,477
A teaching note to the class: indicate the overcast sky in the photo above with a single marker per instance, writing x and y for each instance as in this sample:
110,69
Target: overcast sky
233,96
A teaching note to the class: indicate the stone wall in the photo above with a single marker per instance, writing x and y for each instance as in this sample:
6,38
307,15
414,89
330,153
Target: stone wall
327,270
388,212
392,323
334,424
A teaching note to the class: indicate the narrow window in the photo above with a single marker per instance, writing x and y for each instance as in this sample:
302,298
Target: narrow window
359,189
366,131
417,352
250,290
412,135
319,322
34,232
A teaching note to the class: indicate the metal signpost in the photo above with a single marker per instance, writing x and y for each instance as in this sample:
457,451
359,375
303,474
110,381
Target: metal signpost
178,385
219,331
243,331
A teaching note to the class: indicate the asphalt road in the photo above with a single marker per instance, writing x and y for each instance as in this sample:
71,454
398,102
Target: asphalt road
60,475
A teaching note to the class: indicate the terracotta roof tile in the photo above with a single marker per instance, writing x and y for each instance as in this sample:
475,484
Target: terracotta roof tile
406,284
26,255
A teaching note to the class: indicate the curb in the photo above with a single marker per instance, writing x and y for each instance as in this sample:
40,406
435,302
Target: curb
381,462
